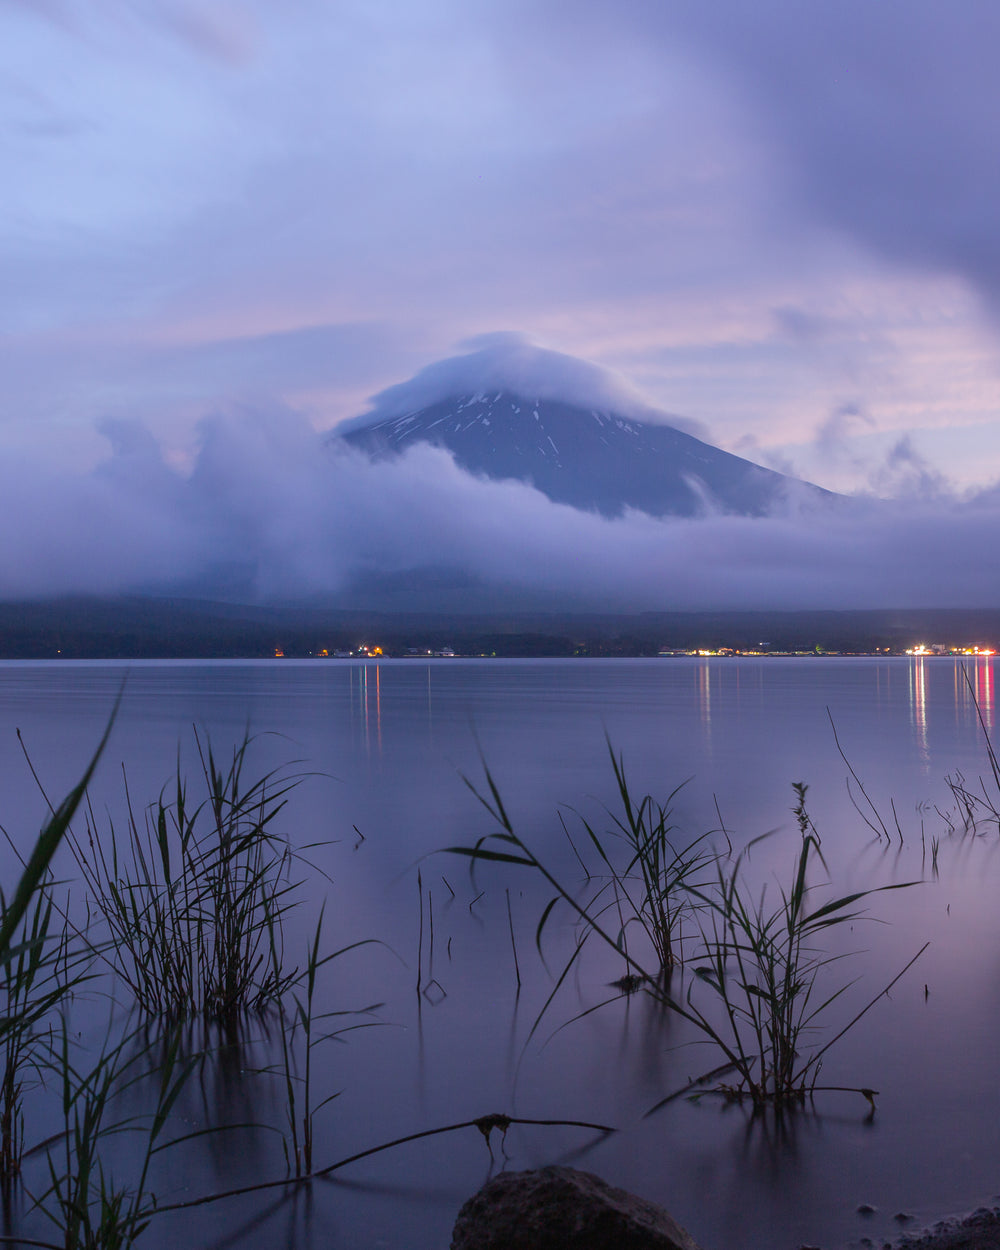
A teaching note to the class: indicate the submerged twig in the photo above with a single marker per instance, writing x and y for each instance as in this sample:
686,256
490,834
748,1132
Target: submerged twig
483,1123
513,944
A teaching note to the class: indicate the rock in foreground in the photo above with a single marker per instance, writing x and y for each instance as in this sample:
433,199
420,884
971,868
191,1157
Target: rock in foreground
561,1209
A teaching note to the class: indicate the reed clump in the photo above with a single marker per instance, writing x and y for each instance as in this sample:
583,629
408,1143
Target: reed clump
653,889
193,892
189,902
760,990
44,960
765,968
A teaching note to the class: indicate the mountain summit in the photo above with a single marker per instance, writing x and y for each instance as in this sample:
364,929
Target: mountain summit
592,458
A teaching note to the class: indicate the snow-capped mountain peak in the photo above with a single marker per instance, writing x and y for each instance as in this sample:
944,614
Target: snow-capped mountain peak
593,458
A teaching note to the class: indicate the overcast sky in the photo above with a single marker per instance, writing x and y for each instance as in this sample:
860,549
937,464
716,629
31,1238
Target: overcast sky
776,220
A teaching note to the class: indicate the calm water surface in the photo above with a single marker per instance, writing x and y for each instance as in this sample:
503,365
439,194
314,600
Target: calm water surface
388,747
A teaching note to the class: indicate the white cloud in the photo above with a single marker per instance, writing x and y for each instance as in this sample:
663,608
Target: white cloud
194,196
510,361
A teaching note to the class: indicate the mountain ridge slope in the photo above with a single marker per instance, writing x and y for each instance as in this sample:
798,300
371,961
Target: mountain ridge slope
591,458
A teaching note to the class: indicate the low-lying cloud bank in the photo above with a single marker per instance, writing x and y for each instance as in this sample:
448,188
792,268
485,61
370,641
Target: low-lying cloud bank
305,518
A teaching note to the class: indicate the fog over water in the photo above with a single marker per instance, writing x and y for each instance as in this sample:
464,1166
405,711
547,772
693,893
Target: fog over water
301,515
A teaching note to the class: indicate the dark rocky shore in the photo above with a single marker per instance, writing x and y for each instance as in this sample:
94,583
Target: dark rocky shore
978,1231
559,1208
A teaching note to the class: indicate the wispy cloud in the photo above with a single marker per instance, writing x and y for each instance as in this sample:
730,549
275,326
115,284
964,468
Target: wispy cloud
758,213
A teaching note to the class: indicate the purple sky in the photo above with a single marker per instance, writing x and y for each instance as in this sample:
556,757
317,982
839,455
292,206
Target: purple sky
776,220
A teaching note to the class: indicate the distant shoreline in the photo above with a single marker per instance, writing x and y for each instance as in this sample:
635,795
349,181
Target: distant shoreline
146,627
80,655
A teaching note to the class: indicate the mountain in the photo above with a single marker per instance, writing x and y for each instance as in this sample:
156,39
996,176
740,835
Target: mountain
590,458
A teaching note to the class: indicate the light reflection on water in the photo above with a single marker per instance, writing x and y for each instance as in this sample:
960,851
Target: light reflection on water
390,743
918,708
368,700
705,699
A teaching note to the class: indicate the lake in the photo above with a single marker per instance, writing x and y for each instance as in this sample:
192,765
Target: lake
387,750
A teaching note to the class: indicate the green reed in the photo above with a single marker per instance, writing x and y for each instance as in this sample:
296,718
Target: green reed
34,978
652,890
194,893
37,971
92,1207
302,1029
